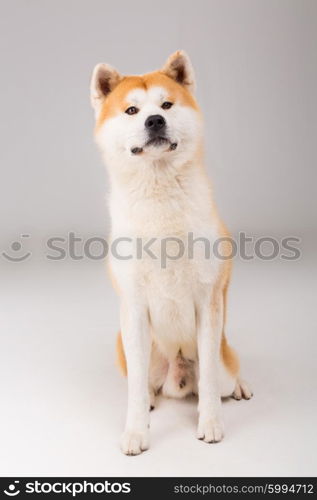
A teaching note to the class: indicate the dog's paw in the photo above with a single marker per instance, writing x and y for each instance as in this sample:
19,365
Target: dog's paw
210,430
134,442
242,390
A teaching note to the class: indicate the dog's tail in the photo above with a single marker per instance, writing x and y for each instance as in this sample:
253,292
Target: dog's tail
121,360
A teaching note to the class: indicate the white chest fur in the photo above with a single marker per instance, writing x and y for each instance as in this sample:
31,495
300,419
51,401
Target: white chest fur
172,210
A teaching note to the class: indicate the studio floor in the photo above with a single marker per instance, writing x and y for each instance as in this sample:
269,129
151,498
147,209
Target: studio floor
63,400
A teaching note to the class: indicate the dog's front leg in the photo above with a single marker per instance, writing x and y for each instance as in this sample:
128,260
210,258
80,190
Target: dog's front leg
136,341
210,320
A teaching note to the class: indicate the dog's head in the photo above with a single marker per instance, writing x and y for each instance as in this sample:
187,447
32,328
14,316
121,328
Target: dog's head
149,117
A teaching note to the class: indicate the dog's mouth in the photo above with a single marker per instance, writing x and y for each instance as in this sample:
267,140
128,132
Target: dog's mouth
156,142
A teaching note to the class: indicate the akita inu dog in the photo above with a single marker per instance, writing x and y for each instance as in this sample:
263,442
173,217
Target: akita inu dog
149,129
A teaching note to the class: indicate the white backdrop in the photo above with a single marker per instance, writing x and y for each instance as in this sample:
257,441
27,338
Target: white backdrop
62,399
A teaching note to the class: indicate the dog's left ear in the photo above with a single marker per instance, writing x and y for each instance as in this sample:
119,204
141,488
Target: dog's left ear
104,79
179,68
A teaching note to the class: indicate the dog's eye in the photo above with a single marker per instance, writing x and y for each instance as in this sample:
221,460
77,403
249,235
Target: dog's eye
132,110
167,105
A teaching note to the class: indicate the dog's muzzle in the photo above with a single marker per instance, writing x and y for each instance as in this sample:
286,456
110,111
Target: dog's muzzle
155,126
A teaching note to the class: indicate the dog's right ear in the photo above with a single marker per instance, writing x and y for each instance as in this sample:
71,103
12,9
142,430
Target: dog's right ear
104,79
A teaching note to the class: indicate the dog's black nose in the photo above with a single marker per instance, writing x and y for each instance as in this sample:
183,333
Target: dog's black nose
154,123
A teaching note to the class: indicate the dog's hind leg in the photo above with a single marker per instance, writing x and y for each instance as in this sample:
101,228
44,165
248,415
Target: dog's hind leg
231,383
242,390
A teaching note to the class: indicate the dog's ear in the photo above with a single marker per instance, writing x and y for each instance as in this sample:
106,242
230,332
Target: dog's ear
104,79
179,68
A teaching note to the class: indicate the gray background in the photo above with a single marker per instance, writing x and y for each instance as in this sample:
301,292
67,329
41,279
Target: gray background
255,63
62,399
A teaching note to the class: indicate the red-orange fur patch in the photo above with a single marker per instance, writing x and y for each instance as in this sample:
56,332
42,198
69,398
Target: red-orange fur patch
116,101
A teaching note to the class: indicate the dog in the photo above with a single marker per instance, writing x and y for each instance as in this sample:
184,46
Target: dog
173,305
